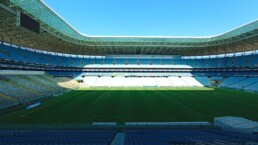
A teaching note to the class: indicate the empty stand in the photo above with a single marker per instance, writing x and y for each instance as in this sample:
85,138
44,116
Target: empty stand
72,137
243,83
38,57
16,89
122,81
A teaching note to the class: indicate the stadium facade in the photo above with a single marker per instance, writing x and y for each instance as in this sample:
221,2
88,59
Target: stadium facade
42,55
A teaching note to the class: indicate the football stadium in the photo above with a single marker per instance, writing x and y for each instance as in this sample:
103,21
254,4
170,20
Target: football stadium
59,86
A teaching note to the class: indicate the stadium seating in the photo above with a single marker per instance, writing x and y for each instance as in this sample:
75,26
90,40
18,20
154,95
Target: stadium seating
236,123
62,59
147,81
16,89
133,82
32,87
103,81
231,80
163,82
192,82
252,87
177,82
89,81
60,137
127,136
65,82
181,136
7,101
118,81
243,83
40,57
121,81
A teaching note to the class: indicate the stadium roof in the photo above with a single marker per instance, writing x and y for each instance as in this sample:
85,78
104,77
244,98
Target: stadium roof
52,23
44,13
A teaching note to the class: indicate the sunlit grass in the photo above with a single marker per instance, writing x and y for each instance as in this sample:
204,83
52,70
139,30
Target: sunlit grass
138,104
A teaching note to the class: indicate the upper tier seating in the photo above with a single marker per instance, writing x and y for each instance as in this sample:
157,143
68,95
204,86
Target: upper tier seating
18,54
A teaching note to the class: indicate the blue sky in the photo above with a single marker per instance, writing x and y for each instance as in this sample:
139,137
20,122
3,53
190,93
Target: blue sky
155,17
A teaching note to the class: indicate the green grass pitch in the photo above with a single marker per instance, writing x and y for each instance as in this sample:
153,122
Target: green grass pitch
138,104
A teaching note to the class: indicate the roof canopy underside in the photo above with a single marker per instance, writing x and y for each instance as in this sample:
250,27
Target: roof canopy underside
46,15
56,35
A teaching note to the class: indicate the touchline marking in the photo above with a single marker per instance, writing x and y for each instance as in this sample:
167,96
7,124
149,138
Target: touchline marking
50,103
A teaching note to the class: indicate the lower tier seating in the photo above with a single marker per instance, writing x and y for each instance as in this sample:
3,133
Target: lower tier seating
19,89
121,81
126,137
243,83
